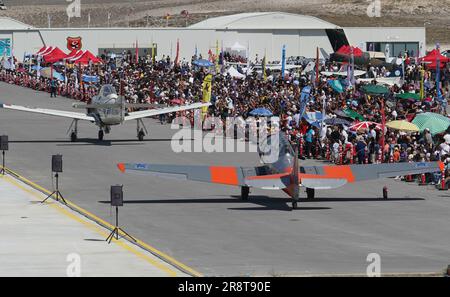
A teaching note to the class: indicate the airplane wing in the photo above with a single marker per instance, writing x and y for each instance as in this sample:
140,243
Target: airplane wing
330,177
51,112
154,112
256,177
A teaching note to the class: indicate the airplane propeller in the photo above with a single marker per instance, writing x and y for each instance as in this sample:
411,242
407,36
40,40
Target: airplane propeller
295,180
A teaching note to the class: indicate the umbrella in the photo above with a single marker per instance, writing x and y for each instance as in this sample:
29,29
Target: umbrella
402,126
261,112
353,114
342,114
364,125
435,122
407,96
336,121
375,89
336,85
203,63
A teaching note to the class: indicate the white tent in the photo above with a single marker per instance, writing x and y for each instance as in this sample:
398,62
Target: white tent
234,73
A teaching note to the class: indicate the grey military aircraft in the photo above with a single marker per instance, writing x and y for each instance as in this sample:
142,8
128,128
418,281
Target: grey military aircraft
107,109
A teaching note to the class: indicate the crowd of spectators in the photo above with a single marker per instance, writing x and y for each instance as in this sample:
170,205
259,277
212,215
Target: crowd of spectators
164,81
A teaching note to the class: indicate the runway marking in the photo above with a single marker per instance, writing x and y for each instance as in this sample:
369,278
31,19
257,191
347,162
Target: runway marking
100,221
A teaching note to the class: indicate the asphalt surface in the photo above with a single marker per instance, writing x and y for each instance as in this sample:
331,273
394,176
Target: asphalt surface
206,226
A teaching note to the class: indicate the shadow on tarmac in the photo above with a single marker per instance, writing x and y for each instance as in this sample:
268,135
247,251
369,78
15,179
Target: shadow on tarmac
265,203
92,141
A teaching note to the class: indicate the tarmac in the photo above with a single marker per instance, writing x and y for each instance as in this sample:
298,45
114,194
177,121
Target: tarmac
206,227
49,239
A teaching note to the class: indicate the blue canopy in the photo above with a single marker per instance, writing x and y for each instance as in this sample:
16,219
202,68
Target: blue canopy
203,63
261,112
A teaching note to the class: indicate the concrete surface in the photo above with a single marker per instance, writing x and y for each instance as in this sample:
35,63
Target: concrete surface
50,239
206,226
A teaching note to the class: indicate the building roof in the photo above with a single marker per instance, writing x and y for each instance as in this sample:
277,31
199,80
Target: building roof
12,24
264,20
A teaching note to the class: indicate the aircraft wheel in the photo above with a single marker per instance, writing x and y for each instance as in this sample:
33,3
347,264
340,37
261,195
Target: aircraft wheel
101,134
141,135
310,193
245,191
294,205
73,137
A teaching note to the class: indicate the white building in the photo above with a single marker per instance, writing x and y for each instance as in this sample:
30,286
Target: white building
258,33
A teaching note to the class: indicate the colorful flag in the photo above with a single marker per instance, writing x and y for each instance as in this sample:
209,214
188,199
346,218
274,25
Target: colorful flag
178,52
217,57
207,87
283,61
264,67
137,52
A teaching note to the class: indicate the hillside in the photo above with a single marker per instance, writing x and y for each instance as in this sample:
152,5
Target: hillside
435,15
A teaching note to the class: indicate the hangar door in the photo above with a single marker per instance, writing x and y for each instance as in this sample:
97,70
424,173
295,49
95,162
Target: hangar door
290,38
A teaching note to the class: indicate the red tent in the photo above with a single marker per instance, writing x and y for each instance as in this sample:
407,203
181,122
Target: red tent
432,57
45,50
54,56
86,57
75,54
347,50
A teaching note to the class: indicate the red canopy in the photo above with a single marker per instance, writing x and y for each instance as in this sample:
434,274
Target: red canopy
432,57
347,50
86,57
54,56
75,54
45,50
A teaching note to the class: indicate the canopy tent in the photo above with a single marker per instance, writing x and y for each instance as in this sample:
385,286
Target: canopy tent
45,51
75,54
432,57
86,58
54,56
347,50
234,73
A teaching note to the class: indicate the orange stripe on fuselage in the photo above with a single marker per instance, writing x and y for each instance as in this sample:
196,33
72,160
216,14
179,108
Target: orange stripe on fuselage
224,175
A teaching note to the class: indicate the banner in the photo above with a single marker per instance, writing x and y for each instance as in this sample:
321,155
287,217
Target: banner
264,68
5,47
304,98
283,61
206,87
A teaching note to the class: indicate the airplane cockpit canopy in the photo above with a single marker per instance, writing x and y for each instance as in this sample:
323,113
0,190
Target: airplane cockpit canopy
107,90
277,142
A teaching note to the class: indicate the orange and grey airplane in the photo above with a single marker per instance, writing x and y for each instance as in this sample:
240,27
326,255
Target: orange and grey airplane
285,173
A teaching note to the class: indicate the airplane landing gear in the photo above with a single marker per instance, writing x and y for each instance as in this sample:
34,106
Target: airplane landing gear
245,191
310,193
101,135
294,205
73,137
74,133
141,130
141,135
